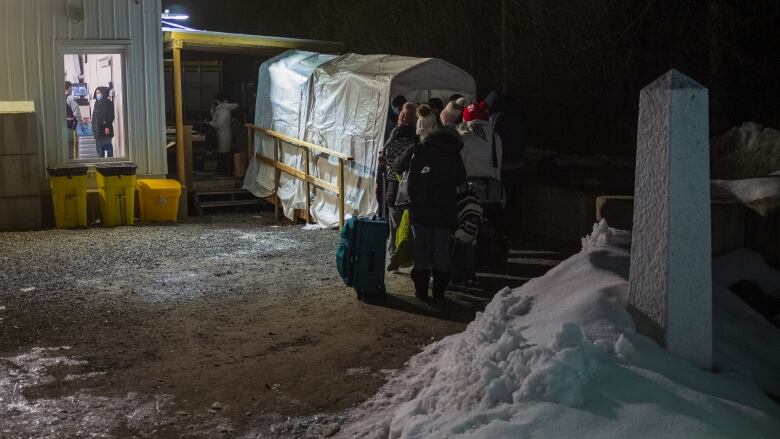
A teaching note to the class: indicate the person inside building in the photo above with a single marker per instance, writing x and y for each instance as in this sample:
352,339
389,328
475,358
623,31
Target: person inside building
72,119
221,118
435,173
103,122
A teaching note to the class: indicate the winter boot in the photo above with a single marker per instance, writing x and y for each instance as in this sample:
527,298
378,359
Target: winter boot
420,279
441,280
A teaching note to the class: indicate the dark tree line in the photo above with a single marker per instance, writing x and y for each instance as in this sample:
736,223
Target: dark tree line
575,67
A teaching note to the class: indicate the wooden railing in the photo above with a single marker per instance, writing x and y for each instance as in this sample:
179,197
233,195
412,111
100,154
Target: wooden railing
304,175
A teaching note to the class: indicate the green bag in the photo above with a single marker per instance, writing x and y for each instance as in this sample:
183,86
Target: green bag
404,245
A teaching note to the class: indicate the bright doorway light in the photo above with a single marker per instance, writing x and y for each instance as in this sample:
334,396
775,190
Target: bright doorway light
167,15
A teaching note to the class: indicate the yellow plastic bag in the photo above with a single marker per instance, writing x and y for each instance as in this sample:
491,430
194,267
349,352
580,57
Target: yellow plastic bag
404,244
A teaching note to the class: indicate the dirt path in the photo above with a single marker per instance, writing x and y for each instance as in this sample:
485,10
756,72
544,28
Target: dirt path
201,330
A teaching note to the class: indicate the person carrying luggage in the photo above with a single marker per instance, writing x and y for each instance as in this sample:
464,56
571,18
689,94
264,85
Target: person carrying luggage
435,172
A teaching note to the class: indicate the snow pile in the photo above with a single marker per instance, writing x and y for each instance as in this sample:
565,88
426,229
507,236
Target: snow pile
747,151
750,189
559,357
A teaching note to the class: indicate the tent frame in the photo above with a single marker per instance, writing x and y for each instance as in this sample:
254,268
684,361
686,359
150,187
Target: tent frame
218,42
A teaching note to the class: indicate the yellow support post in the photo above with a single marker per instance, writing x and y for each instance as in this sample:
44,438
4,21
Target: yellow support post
181,166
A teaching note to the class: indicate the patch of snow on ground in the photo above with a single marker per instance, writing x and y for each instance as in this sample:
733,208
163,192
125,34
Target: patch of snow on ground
560,357
80,414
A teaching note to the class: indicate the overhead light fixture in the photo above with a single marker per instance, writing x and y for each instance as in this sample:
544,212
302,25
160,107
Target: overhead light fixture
167,15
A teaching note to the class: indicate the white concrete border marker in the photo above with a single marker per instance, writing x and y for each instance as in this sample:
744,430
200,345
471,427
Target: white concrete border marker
670,291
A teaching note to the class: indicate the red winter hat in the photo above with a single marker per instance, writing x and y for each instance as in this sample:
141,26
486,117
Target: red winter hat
476,112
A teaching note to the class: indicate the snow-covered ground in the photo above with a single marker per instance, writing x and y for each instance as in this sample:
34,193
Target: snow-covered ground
560,358
750,189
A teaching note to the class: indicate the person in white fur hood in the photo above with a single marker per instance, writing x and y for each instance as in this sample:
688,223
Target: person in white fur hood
481,151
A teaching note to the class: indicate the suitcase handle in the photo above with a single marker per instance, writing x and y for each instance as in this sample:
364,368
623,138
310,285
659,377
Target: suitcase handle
371,254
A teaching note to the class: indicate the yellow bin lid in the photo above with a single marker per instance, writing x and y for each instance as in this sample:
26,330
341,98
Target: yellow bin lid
159,185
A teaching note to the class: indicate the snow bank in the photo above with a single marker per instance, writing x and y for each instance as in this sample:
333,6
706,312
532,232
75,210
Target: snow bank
750,150
559,357
750,189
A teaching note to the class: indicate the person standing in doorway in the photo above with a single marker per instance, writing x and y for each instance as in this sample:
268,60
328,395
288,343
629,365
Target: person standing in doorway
72,119
220,119
103,122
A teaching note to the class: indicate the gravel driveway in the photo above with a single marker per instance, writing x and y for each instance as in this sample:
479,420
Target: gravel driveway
222,327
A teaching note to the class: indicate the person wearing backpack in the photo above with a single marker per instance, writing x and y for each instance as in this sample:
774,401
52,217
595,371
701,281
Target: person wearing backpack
435,172
401,139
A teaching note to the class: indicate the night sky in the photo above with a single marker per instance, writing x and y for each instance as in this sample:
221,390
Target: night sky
567,63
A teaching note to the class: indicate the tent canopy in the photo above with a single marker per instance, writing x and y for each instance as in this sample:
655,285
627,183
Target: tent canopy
340,103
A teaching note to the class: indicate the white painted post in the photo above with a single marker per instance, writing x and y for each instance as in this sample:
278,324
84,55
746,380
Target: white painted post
670,291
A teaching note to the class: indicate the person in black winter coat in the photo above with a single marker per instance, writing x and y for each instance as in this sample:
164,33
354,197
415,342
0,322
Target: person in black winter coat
401,139
435,173
103,122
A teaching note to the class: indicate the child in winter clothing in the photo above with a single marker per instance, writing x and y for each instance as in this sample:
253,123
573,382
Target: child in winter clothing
426,120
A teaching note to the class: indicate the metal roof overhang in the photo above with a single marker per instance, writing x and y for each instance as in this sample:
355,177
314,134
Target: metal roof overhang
219,42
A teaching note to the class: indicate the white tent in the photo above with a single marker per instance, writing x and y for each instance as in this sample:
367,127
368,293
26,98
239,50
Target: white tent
340,103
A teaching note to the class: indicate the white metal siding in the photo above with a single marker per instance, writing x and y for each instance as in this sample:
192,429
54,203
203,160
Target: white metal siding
29,31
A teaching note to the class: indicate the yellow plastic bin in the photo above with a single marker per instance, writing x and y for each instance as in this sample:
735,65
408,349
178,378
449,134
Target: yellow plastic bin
69,195
116,191
159,199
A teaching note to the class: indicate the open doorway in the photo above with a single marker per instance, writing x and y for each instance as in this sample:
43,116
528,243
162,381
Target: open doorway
94,106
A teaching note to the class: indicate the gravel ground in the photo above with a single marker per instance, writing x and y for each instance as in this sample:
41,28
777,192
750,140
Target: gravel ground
228,326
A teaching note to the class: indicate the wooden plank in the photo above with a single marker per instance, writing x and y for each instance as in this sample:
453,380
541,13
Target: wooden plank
308,186
209,204
341,192
320,183
276,179
300,143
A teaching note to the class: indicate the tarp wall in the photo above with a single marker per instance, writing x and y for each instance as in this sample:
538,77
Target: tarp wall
341,105
282,96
